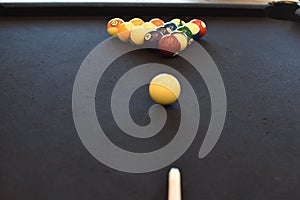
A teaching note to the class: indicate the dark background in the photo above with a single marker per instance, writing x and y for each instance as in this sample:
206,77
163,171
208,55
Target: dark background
257,156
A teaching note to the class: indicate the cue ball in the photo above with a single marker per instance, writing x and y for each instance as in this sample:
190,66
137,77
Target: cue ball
164,89
113,26
137,35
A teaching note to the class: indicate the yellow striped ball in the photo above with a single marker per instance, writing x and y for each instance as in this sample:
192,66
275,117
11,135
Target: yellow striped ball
164,89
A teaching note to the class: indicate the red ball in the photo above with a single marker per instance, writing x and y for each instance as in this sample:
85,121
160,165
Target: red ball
169,45
201,25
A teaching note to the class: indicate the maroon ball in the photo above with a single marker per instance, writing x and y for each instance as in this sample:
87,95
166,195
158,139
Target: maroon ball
169,45
152,38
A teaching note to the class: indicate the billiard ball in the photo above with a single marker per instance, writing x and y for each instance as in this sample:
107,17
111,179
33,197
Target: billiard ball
136,21
113,26
164,89
169,45
201,25
195,30
124,31
171,26
186,30
178,22
164,30
149,26
137,35
188,33
202,29
182,38
157,22
152,38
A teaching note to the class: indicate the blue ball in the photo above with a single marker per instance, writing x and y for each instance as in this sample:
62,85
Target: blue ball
171,26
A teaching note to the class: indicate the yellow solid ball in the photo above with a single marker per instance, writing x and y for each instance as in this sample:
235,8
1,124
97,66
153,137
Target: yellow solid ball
137,21
164,89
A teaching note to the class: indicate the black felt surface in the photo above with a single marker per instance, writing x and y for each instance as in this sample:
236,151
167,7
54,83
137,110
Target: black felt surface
257,156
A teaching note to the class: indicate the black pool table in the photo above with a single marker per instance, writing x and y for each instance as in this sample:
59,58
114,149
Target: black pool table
257,52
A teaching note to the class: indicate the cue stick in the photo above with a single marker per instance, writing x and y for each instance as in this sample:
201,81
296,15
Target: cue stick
174,191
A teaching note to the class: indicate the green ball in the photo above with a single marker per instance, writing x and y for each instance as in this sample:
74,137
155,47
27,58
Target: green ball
187,31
